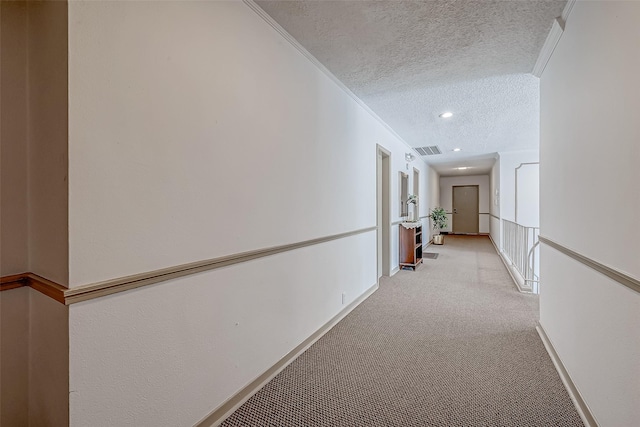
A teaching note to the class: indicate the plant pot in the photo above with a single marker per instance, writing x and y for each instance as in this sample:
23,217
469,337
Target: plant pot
438,239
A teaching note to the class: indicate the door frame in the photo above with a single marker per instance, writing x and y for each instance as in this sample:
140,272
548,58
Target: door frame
415,189
383,211
453,204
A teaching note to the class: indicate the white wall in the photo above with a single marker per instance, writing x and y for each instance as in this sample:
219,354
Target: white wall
33,211
446,197
528,195
273,143
14,256
34,368
509,162
172,353
495,223
48,203
589,150
433,197
197,131
48,361
14,357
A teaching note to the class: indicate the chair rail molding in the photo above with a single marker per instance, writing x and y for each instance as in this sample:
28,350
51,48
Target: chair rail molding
96,290
618,276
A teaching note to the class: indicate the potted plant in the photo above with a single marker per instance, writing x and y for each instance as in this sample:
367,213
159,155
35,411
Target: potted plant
439,218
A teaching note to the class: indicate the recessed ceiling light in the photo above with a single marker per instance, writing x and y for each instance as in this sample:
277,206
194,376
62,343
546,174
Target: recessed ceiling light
457,149
446,114
462,168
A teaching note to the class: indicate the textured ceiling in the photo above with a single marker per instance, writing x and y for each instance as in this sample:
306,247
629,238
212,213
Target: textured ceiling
411,60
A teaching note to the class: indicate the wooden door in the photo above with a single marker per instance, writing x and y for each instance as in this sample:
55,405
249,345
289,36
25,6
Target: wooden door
465,209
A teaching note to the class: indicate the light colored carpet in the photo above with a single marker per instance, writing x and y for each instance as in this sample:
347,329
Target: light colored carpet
451,344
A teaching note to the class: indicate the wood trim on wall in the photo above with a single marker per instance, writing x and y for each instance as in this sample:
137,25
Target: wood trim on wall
47,287
96,290
13,282
620,277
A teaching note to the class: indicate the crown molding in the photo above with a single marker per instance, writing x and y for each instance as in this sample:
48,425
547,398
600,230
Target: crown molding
288,37
549,46
567,10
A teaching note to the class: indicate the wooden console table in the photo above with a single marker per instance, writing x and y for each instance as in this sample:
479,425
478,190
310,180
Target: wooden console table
410,244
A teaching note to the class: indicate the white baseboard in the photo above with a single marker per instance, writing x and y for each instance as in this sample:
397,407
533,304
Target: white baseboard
494,244
517,278
581,406
394,271
217,416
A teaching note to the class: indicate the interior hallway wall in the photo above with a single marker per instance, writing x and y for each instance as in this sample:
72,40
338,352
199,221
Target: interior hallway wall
48,135
433,198
590,201
34,364
196,131
14,256
14,357
495,224
446,198
522,161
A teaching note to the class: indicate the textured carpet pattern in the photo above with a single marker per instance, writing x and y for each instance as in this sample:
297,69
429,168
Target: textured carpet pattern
451,344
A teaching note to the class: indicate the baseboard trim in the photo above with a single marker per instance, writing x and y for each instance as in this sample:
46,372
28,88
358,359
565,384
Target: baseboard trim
494,244
515,275
426,245
520,287
220,414
394,271
581,406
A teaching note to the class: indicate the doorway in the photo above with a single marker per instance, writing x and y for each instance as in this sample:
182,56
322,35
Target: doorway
416,191
466,208
383,211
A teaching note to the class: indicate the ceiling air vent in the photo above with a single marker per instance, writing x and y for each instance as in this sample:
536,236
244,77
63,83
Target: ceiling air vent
428,151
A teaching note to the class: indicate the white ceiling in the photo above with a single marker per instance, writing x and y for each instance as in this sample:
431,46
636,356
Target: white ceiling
409,61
